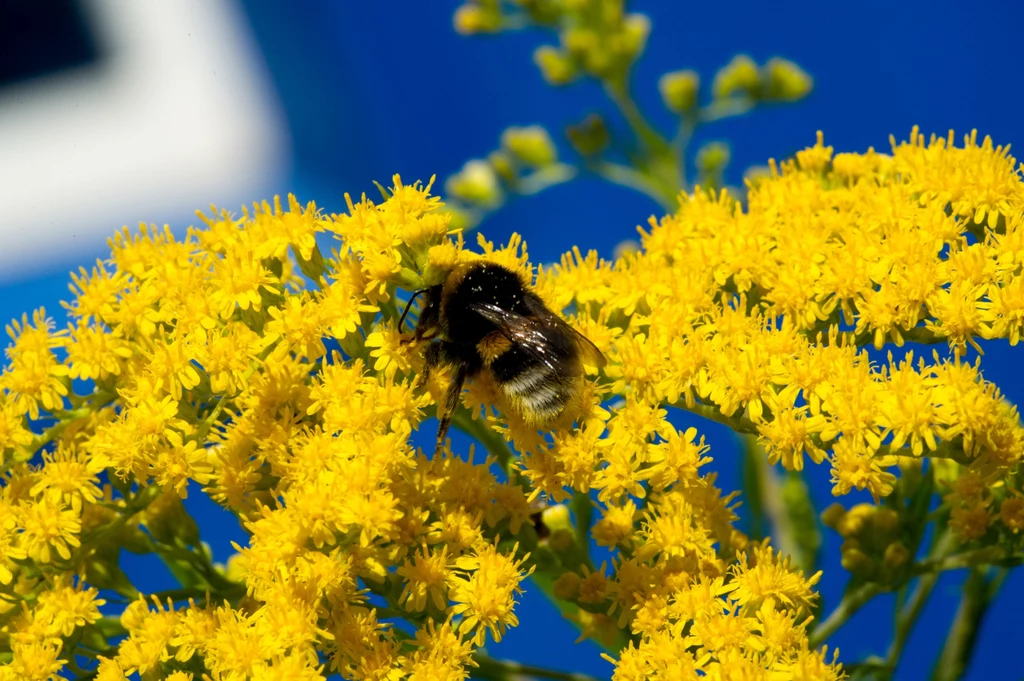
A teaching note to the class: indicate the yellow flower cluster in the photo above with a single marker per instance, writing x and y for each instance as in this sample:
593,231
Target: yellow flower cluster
242,361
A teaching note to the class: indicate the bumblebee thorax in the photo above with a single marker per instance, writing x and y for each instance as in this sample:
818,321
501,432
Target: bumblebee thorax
477,283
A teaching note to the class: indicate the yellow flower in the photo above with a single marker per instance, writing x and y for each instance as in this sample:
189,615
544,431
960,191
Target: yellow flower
676,460
769,575
34,661
426,574
909,406
299,323
391,353
791,431
616,524
441,654
94,353
296,227
69,477
211,364
9,548
110,670
1011,513
237,280
69,607
174,466
484,589
95,292
13,433
855,466
149,633
48,528
33,378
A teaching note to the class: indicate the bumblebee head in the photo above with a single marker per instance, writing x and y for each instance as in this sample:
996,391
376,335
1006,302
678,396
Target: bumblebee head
429,311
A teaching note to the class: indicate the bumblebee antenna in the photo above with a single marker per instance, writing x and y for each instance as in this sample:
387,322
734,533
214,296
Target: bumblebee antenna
409,305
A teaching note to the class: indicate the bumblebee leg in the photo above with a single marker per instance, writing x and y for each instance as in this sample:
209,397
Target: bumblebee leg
435,356
446,410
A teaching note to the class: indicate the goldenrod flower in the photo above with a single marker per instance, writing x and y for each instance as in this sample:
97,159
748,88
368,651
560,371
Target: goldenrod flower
33,377
295,408
48,528
484,590
426,575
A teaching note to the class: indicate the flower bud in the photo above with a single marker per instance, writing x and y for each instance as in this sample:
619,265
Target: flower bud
580,42
169,522
503,165
1011,513
588,137
237,567
856,562
626,248
679,90
833,515
853,521
556,67
561,541
459,220
557,517
475,183
634,38
531,145
886,520
567,587
102,571
785,81
712,158
755,176
896,555
470,19
739,77
442,258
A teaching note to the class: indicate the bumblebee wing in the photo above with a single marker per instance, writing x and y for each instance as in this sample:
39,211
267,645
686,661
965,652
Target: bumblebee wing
533,335
541,335
588,351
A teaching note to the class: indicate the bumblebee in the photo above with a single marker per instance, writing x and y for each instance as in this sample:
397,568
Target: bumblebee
485,318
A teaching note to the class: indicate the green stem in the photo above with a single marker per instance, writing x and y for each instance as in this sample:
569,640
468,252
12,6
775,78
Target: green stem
740,424
194,593
97,402
630,178
618,92
725,108
534,183
539,180
136,505
979,592
989,555
907,614
509,670
944,450
659,163
492,441
906,619
207,424
680,143
851,603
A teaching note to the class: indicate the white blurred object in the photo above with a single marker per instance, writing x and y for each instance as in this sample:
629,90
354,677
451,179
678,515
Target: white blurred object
177,114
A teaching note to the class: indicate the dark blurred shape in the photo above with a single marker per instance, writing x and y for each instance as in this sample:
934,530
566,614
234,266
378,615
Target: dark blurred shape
38,37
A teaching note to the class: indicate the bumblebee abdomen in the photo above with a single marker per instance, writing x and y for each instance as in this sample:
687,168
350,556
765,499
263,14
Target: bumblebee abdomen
536,390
